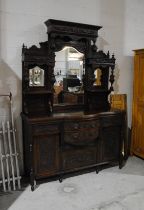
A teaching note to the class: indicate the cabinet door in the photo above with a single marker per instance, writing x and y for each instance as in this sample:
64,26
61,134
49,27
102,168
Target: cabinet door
46,155
110,143
138,107
110,139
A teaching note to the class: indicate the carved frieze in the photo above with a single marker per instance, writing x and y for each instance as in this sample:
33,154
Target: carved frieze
71,28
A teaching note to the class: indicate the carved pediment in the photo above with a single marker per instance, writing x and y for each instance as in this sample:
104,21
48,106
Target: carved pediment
71,28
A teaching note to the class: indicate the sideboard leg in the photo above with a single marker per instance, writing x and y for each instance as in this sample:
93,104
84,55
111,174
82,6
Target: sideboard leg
32,188
32,181
121,161
97,170
60,178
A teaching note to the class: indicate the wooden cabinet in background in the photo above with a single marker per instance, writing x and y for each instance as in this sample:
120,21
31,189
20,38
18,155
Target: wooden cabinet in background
137,147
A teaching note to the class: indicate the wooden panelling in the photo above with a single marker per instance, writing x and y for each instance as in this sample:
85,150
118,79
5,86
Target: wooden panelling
119,101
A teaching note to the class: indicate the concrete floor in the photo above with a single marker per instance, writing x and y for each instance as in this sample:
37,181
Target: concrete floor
111,189
7,199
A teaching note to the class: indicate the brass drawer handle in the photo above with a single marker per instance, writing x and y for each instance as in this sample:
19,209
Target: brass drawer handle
75,136
76,126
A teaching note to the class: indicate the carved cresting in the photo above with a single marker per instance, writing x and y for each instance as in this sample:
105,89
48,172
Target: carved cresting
77,35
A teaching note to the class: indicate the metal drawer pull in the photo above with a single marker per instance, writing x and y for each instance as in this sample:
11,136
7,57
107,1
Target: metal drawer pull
76,126
75,136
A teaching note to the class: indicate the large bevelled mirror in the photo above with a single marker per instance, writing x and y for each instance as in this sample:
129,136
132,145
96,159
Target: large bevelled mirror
68,71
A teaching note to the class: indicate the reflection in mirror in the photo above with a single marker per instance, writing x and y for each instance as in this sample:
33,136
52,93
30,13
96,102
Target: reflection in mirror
97,73
36,77
69,68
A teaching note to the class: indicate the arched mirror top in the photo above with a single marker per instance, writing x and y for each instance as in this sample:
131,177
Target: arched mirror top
68,62
68,71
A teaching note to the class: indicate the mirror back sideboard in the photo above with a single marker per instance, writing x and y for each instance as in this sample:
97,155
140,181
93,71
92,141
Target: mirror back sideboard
68,137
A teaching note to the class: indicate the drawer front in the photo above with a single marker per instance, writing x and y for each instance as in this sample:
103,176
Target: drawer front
78,158
83,137
45,129
81,125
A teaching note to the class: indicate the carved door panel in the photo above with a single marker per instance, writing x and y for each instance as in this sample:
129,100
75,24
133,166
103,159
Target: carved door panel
138,106
76,159
110,143
111,137
46,155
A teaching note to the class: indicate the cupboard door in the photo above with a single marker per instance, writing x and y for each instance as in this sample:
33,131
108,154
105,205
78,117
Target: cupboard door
111,137
138,107
46,155
110,143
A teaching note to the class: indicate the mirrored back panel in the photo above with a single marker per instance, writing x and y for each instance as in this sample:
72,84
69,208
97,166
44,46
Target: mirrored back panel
68,71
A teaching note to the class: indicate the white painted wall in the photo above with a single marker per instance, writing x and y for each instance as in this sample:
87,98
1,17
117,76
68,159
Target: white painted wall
122,32
23,22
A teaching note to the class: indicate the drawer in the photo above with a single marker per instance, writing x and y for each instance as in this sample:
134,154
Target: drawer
45,129
80,125
78,158
83,137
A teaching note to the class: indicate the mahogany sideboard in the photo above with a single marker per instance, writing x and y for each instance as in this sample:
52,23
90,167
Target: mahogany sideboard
69,142
65,136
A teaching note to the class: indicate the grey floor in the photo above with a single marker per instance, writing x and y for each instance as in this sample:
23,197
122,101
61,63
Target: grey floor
133,166
6,199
